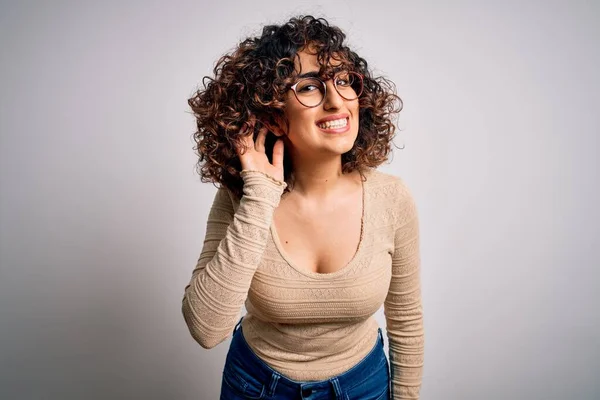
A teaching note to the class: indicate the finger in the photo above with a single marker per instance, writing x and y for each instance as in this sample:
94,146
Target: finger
248,128
247,140
242,146
260,140
278,154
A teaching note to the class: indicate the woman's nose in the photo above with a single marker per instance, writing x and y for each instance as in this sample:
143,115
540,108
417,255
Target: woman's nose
332,97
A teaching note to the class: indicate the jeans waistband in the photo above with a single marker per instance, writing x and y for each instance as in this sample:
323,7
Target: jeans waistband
274,379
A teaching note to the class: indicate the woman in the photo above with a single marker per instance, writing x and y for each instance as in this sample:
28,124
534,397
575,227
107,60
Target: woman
304,231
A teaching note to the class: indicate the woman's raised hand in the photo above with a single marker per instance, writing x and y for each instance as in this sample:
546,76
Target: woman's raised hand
255,157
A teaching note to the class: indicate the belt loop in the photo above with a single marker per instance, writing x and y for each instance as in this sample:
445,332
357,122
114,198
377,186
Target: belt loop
273,385
337,389
238,324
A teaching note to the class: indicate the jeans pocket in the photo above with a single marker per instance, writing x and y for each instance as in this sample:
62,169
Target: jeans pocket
374,387
385,395
243,384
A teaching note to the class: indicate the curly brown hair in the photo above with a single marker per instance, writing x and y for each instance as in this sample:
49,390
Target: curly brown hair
252,81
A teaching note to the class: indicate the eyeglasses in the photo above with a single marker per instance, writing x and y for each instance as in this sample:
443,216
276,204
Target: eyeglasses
311,92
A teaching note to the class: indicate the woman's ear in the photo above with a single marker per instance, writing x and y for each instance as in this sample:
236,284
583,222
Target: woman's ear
278,128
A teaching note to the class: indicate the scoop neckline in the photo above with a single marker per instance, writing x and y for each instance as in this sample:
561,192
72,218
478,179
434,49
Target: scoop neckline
357,253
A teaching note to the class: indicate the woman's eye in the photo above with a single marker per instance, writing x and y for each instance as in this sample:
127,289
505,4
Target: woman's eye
308,88
342,82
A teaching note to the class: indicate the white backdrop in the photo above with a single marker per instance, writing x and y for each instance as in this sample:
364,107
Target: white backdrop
102,216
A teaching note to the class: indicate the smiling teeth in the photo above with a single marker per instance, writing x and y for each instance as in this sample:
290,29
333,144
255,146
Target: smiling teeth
338,123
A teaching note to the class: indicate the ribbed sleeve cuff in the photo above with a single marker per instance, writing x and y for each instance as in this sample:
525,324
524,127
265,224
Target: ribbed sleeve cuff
262,185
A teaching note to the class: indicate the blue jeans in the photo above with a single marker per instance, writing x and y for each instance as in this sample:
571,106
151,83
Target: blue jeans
246,376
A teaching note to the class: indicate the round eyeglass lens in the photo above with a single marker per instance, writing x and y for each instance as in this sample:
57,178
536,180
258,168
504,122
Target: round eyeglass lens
349,85
310,91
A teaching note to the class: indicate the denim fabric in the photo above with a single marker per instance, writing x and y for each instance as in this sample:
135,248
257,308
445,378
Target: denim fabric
246,376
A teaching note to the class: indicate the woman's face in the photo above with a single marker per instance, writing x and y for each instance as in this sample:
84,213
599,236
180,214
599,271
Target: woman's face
306,136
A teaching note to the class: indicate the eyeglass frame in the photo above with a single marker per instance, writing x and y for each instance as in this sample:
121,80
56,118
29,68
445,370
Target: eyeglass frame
361,77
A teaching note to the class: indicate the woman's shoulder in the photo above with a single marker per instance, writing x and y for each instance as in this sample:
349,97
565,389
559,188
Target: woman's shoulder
390,192
381,181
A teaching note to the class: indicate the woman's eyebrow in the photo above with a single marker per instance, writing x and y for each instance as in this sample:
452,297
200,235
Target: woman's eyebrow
311,74
315,74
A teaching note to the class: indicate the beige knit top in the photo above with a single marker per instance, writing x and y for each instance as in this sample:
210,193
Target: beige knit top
311,326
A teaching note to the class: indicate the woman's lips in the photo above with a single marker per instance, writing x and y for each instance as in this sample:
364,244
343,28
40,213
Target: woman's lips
341,129
333,117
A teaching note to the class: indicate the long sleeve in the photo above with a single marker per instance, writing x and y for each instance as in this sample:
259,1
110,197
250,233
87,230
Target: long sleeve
402,307
233,247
